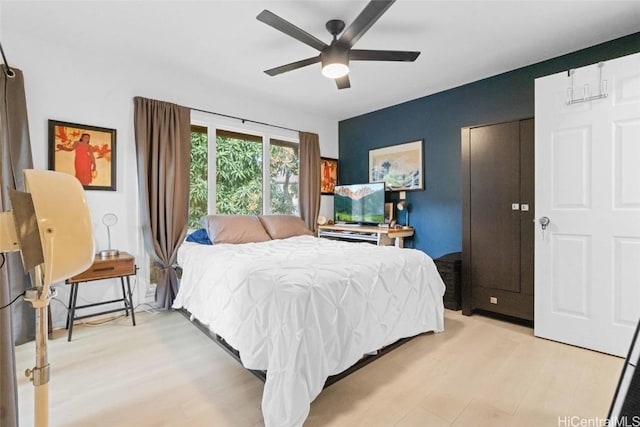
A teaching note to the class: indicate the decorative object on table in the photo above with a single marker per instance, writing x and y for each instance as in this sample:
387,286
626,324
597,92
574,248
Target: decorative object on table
328,175
403,205
86,152
388,212
322,220
109,220
399,166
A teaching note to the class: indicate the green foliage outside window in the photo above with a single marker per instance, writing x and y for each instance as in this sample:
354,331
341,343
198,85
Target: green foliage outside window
284,179
239,177
198,189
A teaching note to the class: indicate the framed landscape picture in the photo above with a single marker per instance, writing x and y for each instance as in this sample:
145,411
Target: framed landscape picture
328,175
399,166
86,152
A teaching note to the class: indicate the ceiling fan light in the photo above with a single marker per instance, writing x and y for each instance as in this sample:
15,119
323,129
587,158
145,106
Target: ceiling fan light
335,62
335,70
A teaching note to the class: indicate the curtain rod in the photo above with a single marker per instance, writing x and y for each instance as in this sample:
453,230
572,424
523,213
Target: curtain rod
244,120
9,72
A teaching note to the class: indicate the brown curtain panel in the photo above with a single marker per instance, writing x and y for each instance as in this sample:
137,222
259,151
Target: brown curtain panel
17,324
163,146
309,179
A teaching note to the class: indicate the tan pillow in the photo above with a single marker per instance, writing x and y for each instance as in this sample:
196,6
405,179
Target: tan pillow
234,229
283,226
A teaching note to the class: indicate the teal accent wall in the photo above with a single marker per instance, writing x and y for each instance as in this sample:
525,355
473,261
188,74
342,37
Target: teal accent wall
436,212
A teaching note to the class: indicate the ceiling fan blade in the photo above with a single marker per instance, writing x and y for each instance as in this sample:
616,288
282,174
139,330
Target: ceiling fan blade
369,15
343,82
382,55
289,29
292,66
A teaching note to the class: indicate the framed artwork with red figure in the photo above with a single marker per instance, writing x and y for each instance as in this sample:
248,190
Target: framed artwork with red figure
86,152
328,175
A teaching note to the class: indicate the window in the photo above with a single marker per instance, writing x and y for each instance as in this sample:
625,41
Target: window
283,177
198,184
238,173
228,174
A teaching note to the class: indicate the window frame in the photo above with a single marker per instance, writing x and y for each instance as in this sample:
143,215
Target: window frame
266,133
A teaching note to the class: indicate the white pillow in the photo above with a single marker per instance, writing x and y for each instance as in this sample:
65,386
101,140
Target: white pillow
234,229
283,226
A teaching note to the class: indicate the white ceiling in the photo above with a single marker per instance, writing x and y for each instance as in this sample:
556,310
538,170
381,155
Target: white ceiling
460,41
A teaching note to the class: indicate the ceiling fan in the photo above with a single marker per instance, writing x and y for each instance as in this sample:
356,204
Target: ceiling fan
335,57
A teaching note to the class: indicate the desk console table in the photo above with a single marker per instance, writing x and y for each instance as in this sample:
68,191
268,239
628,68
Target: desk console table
120,266
381,236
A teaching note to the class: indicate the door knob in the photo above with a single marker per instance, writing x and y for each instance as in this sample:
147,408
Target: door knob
544,222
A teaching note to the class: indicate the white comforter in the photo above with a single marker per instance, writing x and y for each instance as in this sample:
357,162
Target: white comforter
306,308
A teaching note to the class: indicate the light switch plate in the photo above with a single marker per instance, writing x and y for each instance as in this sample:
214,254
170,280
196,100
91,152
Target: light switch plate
403,195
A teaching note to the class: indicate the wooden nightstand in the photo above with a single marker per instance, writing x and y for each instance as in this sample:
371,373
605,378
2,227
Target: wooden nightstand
122,266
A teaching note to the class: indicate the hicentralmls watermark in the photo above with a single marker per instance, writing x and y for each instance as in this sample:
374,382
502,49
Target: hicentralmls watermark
576,421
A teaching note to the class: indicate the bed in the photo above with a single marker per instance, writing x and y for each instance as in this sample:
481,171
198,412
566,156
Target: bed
301,307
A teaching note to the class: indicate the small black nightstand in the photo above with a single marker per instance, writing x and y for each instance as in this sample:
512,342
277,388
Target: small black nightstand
450,268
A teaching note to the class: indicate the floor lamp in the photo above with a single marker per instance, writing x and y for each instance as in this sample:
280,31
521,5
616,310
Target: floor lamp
50,225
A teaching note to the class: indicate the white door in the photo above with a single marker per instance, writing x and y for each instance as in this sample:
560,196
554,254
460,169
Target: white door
587,261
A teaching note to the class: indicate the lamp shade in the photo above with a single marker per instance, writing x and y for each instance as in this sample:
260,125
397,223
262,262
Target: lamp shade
63,220
335,62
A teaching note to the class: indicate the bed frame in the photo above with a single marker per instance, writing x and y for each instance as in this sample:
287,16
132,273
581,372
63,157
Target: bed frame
262,375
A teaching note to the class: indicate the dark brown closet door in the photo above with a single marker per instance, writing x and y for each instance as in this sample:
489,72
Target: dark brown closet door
527,226
495,226
497,180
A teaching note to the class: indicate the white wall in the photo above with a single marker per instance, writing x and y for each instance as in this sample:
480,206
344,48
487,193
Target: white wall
87,87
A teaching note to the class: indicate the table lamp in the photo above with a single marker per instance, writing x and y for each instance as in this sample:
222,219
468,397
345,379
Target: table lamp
109,220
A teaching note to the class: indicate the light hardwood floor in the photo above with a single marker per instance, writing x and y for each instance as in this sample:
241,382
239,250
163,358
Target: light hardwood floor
165,372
